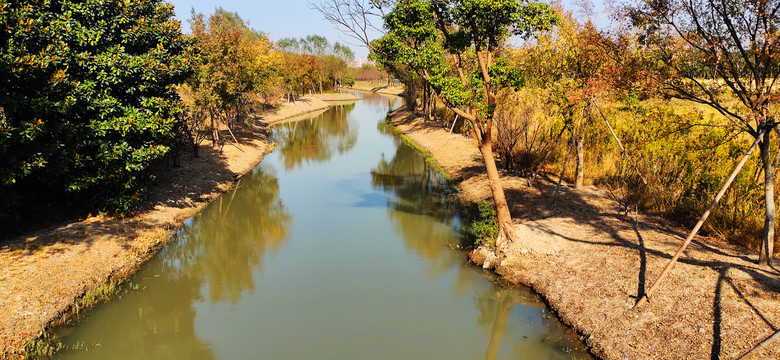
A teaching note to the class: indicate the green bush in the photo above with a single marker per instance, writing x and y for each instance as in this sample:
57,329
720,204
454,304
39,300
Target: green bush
485,227
349,80
89,96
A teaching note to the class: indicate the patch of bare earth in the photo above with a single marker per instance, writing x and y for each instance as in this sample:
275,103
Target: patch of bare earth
338,97
43,273
590,261
379,88
300,106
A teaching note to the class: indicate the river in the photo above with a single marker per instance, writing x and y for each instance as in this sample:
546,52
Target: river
338,245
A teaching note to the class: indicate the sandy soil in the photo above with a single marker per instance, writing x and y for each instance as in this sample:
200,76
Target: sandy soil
377,87
42,274
300,106
336,97
590,261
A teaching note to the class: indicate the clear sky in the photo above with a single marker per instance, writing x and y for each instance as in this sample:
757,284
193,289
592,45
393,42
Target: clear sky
296,18
278,18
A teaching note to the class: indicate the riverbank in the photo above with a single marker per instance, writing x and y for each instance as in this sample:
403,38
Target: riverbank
589,262
302,106
45,274
377,87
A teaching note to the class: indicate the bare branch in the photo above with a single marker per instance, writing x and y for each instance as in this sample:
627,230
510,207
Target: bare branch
356,19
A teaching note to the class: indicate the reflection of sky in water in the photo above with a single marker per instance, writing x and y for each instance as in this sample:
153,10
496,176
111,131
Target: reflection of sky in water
372,199
337,246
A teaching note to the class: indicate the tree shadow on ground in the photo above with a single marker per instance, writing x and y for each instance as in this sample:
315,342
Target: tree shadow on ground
195,181
736,270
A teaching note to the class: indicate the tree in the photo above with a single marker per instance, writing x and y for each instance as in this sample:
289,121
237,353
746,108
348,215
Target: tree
318,46
739,42
297,71
368,72
330,61
359,20
578,65
455,47
344,56
237,64
88,89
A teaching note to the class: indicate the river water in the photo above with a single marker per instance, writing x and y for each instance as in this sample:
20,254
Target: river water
339,245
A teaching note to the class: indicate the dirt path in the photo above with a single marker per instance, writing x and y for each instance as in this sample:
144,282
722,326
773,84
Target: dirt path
43,274
589,261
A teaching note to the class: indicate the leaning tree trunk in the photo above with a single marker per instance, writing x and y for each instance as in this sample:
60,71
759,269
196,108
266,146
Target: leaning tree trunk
768,236
580,164
505,227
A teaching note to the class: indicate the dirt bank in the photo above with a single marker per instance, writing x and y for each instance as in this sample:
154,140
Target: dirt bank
298,107
377,87
336,97
43,274
589,261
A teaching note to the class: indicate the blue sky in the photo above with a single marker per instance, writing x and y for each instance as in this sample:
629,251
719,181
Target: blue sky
289,18
277,18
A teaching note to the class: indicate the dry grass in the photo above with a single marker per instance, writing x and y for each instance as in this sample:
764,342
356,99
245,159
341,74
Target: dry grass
591,263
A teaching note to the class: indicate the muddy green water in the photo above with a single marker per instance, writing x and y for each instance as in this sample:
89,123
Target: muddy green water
337,246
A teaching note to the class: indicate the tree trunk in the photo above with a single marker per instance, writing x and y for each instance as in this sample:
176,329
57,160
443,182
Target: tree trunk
214,130
433,100
505,227
768,237
425,103
431,105
580,164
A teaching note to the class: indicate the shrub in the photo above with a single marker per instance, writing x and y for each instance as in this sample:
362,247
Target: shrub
89,96
485,227
349,80
526,134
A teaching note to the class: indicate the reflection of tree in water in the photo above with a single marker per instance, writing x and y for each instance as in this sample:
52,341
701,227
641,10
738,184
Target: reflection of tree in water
417,188
157,325
540,342
419,208
383,103
229,240
218,252
316,139
421,213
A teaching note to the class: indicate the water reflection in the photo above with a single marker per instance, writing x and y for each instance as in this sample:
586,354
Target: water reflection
159,327
217,253
234,235
378,101
316,139
421,213
418,208
521,327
